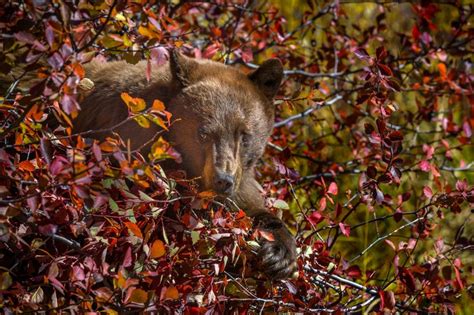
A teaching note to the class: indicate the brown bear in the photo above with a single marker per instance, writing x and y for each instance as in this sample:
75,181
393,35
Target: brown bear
224,118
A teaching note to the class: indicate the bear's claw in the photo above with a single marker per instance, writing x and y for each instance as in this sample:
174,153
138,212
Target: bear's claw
277,257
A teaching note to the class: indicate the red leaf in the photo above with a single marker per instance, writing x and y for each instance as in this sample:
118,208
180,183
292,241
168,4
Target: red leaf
380,126
385,70
415,33
354,271
408,279
396,136
381,53
315,217
371,172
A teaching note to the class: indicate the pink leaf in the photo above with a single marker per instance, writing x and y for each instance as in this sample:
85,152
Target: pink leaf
427,192
390,243
466,127
159,55
345,229
425,166
322,204
148,70
362,54
48,229
333,190
127,259
247,55
77,273
461,185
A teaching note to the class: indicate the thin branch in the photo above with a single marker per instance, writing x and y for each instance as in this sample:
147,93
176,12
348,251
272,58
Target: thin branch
307,111
378,240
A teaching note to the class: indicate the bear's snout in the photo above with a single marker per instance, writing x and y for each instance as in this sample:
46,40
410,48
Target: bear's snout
224,183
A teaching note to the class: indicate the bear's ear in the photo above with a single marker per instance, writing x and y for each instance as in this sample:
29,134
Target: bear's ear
181,67
268,77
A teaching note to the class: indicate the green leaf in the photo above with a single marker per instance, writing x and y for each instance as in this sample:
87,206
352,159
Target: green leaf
195,236
113,205
280,204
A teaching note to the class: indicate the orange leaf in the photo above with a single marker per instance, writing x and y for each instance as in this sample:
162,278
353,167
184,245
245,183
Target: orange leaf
134,229
78,70
172,293
139,296
121,281
207,194
442,71
158,105
26,166
157,249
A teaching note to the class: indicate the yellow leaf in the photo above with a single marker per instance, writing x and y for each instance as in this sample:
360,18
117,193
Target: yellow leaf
135,104
172,293
120,17
139,296
157,249
126,41
142,121
108,146
134,229
146,32
158,121
5,280
158,105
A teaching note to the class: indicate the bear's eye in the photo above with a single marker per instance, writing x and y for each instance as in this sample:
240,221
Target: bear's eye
245,139
202,135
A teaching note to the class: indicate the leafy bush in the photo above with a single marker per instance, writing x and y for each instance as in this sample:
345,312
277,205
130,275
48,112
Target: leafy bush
370,163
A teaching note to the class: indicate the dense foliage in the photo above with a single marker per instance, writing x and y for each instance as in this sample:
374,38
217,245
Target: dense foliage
370,164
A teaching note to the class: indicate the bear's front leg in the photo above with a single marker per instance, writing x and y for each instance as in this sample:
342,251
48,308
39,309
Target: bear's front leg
277,253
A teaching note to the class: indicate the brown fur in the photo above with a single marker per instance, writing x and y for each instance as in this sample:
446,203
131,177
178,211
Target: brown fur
225,118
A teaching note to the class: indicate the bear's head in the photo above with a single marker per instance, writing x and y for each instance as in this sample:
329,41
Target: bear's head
224,119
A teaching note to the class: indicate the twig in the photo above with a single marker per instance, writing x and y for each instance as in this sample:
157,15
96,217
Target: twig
378,240
307,111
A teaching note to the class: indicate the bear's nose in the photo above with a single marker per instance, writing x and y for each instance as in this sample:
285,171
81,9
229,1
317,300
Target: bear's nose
223,183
